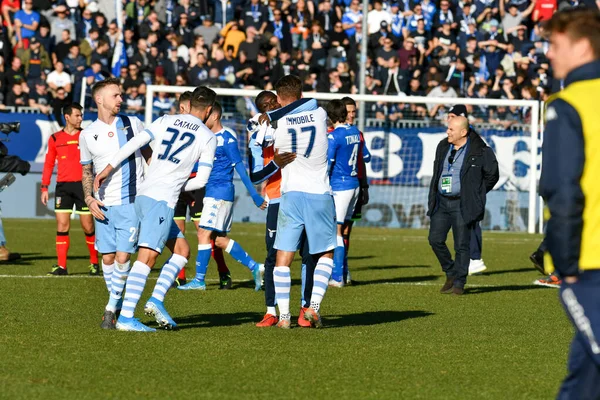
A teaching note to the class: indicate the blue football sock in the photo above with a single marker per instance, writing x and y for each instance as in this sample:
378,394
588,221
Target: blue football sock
134,288
303,274
338,260
322,275
236,251
167,276
118,279
202,260
345,270
107,271
283,283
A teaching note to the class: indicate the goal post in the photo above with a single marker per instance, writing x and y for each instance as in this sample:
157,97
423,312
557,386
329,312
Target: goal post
403,132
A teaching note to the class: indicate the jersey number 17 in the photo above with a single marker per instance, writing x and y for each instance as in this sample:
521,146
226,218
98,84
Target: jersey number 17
310,129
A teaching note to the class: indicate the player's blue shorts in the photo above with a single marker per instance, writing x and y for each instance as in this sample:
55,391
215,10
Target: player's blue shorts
118,231
314,213
156,223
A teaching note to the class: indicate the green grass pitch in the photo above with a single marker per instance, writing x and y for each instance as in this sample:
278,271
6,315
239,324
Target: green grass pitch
392,335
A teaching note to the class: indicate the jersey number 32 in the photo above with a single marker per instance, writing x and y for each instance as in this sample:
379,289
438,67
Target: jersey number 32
186,140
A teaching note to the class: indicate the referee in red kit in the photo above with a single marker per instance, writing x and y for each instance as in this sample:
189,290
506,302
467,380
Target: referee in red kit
63,147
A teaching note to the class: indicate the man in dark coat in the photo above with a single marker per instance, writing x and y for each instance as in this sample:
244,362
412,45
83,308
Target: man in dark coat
464,170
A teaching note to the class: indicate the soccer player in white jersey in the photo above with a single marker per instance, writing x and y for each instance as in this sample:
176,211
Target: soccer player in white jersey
265,166
194,201
306,201
179,142
112,204
217,214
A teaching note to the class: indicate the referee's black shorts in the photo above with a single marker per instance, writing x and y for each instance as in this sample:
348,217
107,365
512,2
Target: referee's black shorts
195,206
67,195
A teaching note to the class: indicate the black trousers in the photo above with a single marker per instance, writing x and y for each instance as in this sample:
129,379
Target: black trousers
307,260
476,246
446,217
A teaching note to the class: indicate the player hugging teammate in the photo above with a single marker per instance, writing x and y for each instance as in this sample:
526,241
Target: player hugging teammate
323,161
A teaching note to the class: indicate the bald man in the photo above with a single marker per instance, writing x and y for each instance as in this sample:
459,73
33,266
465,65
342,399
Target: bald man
476,265
464,170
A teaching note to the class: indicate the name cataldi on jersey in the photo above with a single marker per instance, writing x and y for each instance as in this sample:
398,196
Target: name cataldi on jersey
186,125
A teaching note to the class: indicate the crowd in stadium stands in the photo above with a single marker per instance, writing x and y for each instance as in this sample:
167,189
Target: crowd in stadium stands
442,48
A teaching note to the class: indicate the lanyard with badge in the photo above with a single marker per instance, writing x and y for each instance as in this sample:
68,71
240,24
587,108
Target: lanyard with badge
447,178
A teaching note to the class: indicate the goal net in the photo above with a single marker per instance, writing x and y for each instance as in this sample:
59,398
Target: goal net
402,134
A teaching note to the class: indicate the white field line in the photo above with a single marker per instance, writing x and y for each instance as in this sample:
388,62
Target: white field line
495,237
153,278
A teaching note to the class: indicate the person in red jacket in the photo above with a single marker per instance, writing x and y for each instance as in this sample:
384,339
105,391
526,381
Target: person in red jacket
63,147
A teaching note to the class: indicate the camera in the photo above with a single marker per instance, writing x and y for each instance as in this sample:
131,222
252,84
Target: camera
8,127
11,163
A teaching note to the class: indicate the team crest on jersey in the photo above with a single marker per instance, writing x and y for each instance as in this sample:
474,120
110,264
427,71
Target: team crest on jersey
58,200
111,134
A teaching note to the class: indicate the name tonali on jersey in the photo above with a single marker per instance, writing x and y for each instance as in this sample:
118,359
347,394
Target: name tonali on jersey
353,139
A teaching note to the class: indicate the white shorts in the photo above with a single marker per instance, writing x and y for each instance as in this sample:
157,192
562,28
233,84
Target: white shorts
217,215
345,203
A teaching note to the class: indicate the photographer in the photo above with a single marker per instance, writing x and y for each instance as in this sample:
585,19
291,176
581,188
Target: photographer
9,164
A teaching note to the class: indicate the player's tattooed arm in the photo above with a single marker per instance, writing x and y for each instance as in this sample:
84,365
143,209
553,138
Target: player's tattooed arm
87,182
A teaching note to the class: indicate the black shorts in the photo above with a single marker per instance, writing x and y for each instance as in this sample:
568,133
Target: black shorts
357,215
67,195
183,203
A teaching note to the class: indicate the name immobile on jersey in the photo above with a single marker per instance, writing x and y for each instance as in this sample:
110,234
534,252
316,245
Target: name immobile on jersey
302,119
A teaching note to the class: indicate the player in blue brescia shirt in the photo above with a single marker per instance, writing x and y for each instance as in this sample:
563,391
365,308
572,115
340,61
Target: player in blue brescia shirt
217,214
343,154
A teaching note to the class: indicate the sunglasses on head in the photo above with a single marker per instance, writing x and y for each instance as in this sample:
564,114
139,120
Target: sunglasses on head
452,155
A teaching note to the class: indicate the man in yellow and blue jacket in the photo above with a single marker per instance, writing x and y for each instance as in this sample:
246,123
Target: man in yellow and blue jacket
570,186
